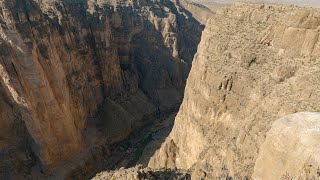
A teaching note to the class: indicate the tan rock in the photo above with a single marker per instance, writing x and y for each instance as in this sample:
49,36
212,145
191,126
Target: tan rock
291,149
255,64
198,11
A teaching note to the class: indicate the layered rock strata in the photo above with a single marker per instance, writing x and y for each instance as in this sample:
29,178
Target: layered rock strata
77,73
255,64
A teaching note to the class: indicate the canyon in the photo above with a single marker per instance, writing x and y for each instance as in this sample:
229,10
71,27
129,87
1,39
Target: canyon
101,89
77,75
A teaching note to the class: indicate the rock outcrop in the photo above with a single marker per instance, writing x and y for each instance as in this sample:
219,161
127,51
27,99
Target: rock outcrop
291,149
255,64
138,173
81,73
212,5
200,12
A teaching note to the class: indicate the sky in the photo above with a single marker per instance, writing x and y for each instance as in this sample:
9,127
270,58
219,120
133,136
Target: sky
308,3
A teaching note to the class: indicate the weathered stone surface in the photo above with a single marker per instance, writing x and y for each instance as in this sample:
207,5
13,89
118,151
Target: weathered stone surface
76,72
200,12
138,173
291,149
255,64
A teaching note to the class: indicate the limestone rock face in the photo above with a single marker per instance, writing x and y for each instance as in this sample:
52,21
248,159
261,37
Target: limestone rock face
74,73
199,12
291,149
255,64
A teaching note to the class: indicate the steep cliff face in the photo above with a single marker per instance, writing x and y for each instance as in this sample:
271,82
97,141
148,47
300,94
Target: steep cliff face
255,64
74,73
200,12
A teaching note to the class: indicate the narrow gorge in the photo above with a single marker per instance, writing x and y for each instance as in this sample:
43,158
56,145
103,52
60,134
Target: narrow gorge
101,89
77,75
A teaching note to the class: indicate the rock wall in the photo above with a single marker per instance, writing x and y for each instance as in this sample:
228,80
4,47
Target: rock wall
200,12
77,73
255,64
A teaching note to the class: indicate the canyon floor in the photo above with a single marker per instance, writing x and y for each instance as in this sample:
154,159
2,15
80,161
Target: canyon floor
130,157
135,151
127,157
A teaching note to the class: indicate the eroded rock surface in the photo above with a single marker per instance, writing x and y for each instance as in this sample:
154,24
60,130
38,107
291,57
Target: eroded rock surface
138,173
255,64
200,12
291,149
82,73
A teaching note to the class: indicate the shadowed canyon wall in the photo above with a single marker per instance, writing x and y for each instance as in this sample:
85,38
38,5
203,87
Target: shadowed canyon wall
76,73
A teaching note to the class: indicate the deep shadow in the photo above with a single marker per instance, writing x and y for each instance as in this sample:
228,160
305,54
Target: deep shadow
165,175
147,174
129,152
148,44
